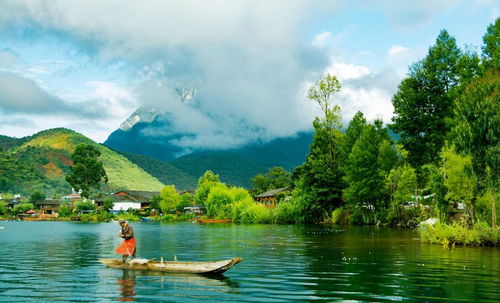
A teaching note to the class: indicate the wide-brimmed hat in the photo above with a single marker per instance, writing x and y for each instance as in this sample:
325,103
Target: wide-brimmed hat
121,221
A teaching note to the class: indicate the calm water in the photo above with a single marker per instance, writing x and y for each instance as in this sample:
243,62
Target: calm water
58,261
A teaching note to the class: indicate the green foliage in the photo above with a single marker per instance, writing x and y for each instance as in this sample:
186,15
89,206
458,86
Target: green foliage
163,171
36,197
96,217
22,208
85,206
286,212
338,215
205,183
87,171
186,200
256,213
219,201
128,217
365,183
276,177
3,208
434,182
65,211
491,47
321,93
459,234
424,100
155,202
170,199
108,203
401,184
460,179
354,130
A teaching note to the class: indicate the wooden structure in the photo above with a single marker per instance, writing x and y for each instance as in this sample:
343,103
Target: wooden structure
216,267
48,206
269,198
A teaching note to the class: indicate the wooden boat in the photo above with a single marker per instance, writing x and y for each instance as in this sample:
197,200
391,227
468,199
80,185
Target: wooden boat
214,220
215,267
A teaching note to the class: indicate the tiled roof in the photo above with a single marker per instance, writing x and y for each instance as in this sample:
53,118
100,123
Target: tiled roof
271,193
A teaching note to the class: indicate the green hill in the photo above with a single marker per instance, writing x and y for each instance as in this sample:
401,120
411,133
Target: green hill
41,161
164,171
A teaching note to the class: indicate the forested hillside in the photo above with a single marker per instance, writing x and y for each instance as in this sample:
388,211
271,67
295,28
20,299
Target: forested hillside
40,162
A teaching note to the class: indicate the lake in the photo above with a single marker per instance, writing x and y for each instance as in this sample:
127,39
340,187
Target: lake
58,261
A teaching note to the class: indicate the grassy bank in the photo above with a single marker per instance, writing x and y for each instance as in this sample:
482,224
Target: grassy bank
457,234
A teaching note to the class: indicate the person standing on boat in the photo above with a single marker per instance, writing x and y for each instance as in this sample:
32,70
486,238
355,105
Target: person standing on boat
127,248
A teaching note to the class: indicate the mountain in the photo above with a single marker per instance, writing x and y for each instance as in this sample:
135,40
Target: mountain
41,161
164,171
237,166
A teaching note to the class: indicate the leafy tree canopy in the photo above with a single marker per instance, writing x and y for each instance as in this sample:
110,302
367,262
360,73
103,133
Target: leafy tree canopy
87,171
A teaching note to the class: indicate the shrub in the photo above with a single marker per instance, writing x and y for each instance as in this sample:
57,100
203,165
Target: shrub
65,211
337,215
459,234
239,207
85,206
22,208
219,202
3,208
128,217
256,213
286,213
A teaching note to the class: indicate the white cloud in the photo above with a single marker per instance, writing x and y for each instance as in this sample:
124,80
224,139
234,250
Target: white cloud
345,71
322,40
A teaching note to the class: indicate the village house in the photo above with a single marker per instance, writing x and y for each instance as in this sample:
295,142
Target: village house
129,199
270,197
48,206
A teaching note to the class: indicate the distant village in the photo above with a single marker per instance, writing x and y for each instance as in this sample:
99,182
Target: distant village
123,201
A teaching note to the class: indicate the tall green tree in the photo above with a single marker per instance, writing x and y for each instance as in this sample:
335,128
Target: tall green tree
423,103
205,183
87,171
364,183
491,46
321,182
477,130
170,198
354,130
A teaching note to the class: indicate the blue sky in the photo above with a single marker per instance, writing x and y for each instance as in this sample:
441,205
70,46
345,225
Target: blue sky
87,65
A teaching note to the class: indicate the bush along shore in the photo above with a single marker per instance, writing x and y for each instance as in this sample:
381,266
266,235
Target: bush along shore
458,233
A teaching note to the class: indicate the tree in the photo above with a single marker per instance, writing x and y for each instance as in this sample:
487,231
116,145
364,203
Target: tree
87,171
477,131
459,176
321,184
205,183
22,208
108,203
3,208
354,130
491,47
85,206
321,93
365,172
423,102
170,198
276,177
36,196
401,184
186,200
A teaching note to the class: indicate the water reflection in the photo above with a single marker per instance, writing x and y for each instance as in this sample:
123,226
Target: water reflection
186,285
127,285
